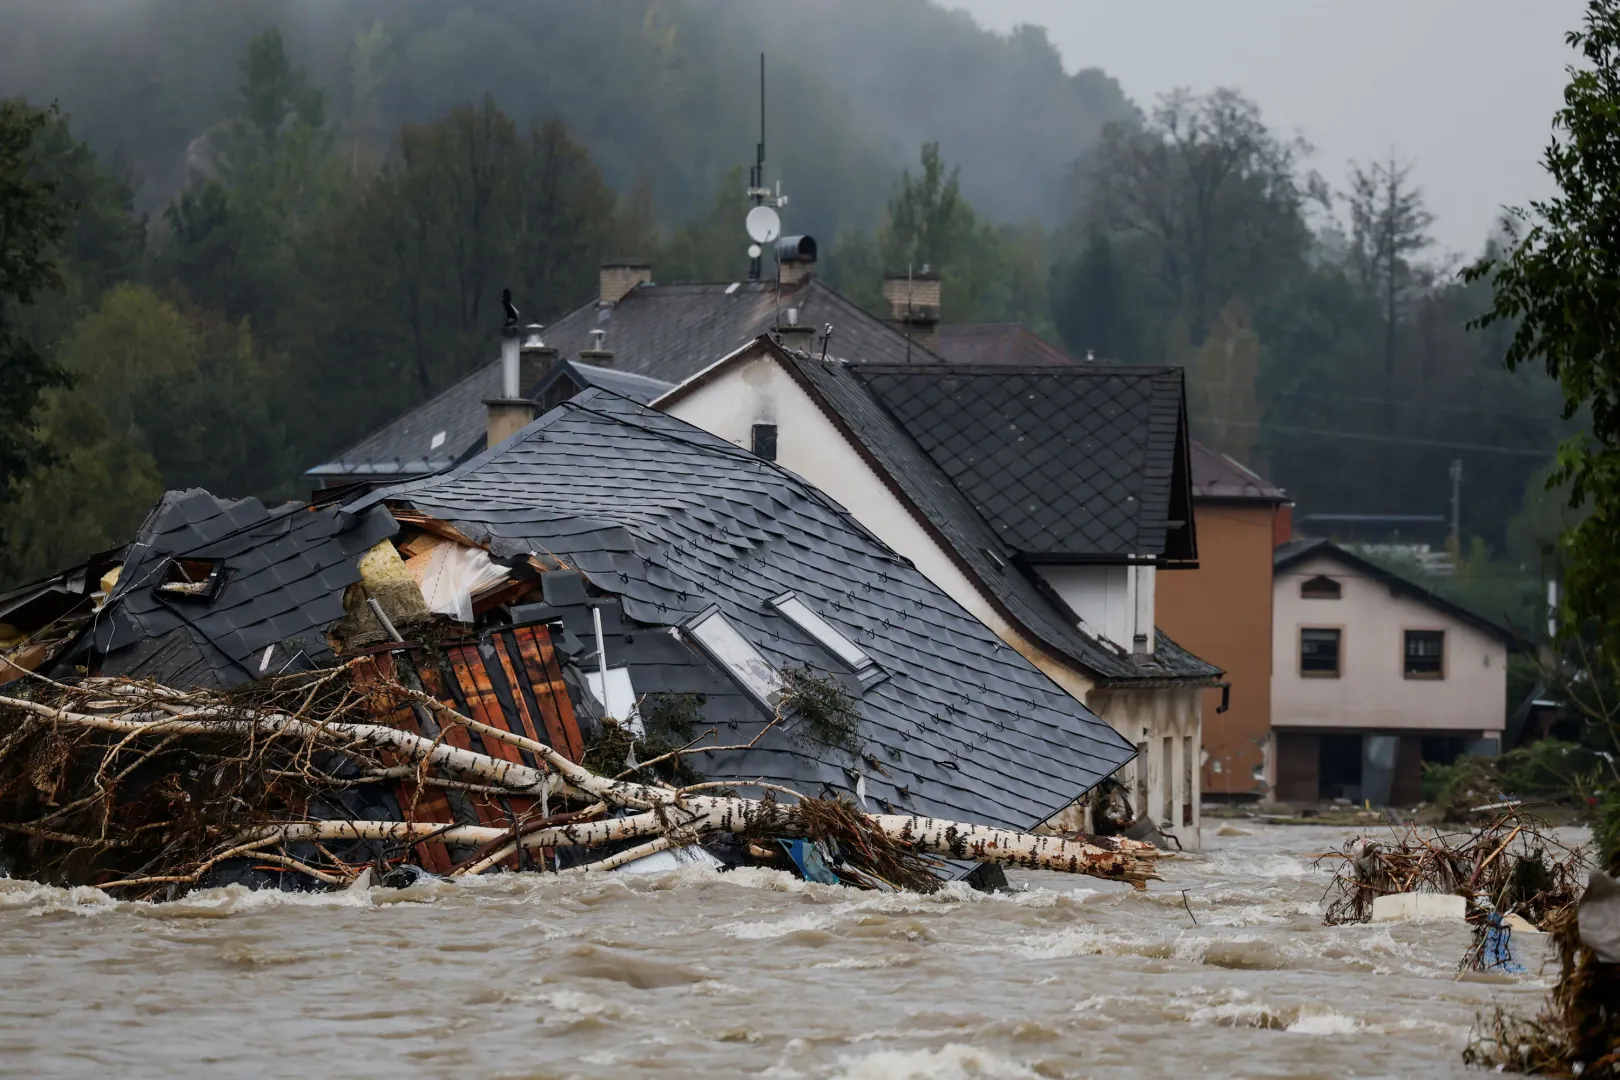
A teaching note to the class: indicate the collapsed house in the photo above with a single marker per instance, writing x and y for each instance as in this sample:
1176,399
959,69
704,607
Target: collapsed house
611,581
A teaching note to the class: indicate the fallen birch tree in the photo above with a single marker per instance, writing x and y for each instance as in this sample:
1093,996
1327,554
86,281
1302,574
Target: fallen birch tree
146,790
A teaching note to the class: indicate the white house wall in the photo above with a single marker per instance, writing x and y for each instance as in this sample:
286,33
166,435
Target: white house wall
1113,602
1371,690
759,391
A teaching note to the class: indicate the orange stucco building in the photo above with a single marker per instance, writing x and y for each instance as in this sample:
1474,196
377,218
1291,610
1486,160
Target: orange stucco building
1222,613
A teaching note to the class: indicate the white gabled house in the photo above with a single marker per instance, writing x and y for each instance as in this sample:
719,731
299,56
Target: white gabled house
1043,500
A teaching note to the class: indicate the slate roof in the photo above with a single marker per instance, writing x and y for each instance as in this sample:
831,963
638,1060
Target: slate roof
997,343
1066,463
674,520
664,332
1295,552
1215,476
1218,477
844,391
641,389
285,573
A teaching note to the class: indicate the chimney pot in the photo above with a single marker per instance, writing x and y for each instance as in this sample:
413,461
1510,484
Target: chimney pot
617,279
795,259
597,355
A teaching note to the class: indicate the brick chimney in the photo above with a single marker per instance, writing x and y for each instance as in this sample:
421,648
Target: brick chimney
535,360
618,278
509,413
914,305
795,259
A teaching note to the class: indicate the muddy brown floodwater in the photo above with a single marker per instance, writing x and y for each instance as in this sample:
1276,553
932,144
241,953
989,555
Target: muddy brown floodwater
750,973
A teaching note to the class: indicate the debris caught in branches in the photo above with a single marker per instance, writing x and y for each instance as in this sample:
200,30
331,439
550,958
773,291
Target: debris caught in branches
148,792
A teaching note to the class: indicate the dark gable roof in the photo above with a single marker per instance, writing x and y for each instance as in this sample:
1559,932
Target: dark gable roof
285,573
664,332
641,389
674,520
842,390
1297,551
1086,462
1217,477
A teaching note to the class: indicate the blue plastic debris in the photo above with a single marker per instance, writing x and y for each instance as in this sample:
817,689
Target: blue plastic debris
1498,952
811,860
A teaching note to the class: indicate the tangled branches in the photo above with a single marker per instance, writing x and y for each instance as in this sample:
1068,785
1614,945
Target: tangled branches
1511,864
146,791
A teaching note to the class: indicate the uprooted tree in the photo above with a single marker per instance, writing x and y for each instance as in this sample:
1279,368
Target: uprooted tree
147,791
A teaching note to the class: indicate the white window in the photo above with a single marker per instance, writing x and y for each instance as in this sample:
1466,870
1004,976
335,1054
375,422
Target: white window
823,631
722,641
620,699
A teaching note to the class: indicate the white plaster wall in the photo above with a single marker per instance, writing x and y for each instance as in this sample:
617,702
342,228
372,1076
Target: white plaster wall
1113,602
1372,691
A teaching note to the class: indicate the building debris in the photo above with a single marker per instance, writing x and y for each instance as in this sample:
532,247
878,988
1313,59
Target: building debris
145,791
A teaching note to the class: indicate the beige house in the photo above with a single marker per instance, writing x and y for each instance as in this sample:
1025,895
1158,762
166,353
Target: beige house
913,452
1372,677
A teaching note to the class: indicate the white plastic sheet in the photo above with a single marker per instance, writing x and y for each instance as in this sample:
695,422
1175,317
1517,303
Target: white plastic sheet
452,574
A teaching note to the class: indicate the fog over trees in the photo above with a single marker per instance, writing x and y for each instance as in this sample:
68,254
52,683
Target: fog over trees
283,222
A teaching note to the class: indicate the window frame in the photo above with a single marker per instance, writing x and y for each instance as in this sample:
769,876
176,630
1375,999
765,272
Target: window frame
835,641
759,437
1438,675
1299,644
749,682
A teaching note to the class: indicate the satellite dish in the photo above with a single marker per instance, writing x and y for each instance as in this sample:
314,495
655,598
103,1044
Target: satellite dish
755,251
763,224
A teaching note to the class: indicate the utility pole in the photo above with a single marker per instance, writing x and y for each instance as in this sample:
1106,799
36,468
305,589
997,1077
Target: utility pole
1456,508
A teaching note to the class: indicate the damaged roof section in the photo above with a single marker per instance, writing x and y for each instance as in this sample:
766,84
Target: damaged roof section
692,548
218,592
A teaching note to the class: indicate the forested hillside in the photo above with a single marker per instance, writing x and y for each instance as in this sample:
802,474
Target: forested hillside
285,221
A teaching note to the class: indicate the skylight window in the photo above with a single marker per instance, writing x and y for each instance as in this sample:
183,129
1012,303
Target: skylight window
800,614
722,641
437,441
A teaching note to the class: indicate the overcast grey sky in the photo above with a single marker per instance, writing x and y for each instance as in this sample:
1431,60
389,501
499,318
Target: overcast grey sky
1464,89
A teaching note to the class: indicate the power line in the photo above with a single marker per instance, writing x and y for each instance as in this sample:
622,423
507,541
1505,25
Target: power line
1358,436
1425,406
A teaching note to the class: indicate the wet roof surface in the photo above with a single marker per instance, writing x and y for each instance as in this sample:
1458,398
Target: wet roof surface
676,521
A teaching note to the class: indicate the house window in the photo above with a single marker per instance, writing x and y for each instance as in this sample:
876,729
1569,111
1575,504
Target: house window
764,444
1319,653
1425,654
800,614
1320,587
736,654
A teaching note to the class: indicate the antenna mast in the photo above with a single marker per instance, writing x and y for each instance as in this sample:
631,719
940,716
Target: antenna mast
756,177
764,226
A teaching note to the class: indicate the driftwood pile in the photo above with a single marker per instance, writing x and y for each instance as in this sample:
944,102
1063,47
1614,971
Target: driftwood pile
147,792
1512,864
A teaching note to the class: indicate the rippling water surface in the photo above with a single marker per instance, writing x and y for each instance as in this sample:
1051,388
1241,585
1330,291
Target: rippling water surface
748,973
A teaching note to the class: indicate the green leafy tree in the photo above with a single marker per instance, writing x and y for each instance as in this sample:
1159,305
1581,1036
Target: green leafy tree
1209,196
930,225
276,97
32,220
1560,284
1094,303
